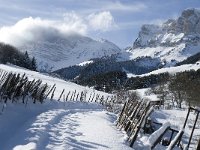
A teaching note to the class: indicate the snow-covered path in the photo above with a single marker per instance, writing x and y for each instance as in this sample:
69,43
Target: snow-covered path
67,129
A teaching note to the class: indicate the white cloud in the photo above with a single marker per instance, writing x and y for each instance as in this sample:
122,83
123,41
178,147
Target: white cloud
75,23
101,21
31,29
133,7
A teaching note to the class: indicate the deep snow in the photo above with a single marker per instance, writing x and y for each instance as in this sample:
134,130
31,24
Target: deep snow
63,125
54,126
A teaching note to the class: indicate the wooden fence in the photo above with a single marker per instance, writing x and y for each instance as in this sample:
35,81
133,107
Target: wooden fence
84,96
17,87
133,117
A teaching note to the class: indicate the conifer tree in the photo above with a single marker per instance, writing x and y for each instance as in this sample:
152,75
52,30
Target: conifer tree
33,64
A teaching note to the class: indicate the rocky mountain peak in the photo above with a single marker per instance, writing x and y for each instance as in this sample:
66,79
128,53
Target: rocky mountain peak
173,41
170,32
189,21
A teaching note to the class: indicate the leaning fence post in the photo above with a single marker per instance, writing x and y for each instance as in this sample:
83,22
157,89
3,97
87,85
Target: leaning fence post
61,94
197,116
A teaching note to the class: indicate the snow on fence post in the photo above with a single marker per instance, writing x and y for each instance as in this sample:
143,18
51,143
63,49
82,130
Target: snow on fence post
197,116
128,125
147,115
130,116
176,140
138,125
121,114
138,116
155,137
3,78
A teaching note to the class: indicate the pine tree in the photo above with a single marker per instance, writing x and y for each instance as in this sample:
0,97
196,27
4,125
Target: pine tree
27,60
33,64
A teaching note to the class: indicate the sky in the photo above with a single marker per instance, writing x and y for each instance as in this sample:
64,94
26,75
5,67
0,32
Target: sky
118,21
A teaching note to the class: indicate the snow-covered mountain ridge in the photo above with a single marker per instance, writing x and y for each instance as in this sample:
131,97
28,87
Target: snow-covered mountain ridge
58,52
172,42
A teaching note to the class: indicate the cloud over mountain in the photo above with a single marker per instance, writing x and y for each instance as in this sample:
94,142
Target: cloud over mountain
31,29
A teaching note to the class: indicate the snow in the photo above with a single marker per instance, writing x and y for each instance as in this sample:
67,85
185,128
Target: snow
55,126
170,41
171,70
85,63
154,136
74,125
60,84
29,146
169,37
175,139
60,52
176,117
147,115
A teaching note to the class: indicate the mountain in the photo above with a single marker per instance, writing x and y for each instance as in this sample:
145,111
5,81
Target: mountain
172,42
57,52
157,46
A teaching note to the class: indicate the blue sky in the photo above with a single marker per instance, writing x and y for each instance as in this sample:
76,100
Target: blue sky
118,21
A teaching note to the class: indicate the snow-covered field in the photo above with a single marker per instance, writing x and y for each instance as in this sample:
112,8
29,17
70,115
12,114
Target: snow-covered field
60,125
54,126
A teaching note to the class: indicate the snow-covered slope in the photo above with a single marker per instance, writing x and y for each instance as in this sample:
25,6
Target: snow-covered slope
172,42
57,125
170,70
60,84
57,52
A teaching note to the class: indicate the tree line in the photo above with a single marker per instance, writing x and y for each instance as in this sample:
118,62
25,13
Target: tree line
10,54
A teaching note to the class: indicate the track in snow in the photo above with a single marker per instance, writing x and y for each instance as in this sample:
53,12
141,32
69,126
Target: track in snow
77,129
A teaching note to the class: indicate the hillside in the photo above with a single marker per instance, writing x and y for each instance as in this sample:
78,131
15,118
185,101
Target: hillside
62,51
60,84
89,69
170,70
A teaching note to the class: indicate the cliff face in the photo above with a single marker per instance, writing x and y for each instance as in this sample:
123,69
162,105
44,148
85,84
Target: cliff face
184,29
173,41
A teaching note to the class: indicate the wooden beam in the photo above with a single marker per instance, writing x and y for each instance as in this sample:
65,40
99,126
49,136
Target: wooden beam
197,116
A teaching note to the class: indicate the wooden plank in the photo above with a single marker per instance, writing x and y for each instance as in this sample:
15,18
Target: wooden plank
139,124
197,116
121,114
129,115
156,137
